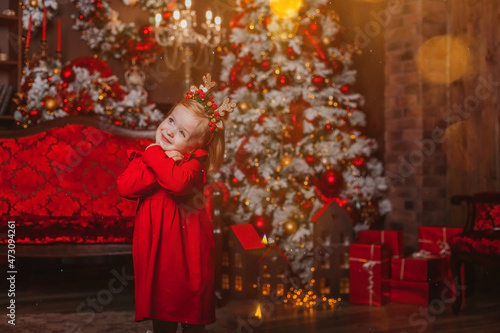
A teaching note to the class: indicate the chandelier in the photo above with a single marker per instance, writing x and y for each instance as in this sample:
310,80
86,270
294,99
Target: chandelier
179,38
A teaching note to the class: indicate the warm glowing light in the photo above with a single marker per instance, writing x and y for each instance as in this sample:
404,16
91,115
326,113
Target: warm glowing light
443,59
188,4
184,24
208,15
283,30
177,15
217,21
157,20
258,312
285,9
264,240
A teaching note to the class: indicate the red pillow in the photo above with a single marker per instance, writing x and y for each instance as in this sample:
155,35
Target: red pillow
487,216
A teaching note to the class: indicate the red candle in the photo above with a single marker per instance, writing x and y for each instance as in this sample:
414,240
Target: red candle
44,27
59,35
28,34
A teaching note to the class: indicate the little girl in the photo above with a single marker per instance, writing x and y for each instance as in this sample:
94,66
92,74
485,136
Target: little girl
173,240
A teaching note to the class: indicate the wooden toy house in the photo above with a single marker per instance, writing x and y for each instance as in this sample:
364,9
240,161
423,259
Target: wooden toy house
274,269
242,247
332,232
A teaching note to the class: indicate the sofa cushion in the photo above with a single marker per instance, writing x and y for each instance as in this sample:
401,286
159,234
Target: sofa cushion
88,230
481,242
487,216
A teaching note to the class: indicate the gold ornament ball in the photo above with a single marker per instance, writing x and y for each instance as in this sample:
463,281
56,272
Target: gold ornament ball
290,227
243,106
34,3
56,70
103,97
299,78
286,160
50,104
326,40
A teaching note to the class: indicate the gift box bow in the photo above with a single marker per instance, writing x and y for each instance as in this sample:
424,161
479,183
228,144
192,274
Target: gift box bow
442,244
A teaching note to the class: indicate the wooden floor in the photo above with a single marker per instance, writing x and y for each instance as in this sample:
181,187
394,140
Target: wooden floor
49,292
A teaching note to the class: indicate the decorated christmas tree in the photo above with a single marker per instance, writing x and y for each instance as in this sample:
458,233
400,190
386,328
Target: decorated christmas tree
295,134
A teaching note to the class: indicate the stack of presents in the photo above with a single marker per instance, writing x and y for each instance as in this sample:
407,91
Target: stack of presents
379,271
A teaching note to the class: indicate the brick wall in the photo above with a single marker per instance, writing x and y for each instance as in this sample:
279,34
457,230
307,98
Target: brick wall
416,172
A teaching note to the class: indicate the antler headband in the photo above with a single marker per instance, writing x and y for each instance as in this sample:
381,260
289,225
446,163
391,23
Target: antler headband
202,96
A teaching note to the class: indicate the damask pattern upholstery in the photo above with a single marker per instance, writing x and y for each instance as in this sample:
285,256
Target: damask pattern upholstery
60,186
487,216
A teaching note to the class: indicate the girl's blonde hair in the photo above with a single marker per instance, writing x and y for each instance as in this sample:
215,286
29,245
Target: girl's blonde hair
215,145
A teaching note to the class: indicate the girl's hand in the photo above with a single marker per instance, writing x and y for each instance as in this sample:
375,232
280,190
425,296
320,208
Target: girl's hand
174,154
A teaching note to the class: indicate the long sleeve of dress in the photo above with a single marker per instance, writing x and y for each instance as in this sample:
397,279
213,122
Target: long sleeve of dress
137,180
178,179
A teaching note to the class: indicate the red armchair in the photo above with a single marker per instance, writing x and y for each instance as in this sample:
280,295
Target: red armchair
480,240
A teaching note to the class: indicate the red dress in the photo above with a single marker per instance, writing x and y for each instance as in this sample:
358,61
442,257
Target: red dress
173,246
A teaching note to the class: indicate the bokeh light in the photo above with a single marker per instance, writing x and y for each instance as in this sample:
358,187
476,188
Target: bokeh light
443,59
285,9
283,29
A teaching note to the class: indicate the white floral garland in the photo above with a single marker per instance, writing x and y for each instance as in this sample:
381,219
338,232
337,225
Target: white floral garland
37,12
47,81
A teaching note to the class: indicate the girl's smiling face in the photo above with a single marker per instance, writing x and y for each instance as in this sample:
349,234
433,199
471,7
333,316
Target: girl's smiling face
181,131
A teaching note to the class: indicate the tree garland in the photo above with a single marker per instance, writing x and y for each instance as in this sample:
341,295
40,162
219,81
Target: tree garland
108,36
85,86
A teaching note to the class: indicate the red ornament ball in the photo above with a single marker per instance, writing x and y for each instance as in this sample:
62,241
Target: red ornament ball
265,65
331,183
310,159
344,89
282,81
259,222
358,161
318,81
68,75
34,114
262,223
291,53
315,28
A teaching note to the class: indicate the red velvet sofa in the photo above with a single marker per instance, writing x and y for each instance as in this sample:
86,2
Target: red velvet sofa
58,183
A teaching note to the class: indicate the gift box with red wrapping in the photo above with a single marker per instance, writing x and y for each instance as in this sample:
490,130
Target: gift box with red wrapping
393,238
422,293
420,269
368,265
436,240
